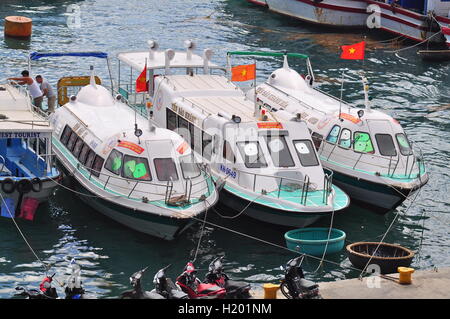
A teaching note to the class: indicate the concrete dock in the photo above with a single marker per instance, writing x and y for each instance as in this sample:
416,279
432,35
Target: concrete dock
426,284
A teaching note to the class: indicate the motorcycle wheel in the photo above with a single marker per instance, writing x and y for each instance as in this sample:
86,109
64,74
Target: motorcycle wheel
285,290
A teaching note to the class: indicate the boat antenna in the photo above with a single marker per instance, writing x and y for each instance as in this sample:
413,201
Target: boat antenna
285,61
92,81
342,92
366,92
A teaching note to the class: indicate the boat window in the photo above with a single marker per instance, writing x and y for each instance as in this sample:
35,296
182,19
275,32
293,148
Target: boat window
165,169
77,148
97,166
333,135
346,138
171,119
306,153
317,139
385,144
66,134
403,144
83,154
197,139
207,146
136,168
114,162
189,168
71,142
279,151
228,153
183,128
252,154
90,159
363,143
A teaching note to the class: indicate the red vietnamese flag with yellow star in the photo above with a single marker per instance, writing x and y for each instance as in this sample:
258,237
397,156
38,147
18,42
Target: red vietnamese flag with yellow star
243,72
353,52
141,81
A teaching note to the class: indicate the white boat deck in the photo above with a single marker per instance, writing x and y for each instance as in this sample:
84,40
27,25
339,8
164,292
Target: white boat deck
16,107
213,94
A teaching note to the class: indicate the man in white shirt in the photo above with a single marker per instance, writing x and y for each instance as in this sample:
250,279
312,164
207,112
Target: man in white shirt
48,92
33,88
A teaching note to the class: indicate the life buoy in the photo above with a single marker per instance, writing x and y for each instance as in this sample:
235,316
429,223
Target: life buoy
24,186
8,186
36,181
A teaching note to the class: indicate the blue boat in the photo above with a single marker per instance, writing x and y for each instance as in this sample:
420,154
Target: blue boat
27,173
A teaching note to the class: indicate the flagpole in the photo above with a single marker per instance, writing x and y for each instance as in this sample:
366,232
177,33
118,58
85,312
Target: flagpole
254,86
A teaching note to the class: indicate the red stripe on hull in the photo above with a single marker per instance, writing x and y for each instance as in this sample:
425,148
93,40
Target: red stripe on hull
334,7
258,3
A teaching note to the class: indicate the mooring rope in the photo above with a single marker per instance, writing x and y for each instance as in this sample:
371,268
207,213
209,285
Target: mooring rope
201,233
328,240
385,234
412,46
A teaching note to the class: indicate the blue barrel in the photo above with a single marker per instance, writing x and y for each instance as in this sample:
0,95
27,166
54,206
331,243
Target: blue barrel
312,241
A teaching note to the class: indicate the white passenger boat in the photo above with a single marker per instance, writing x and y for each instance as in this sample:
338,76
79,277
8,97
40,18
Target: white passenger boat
269,169
367,150
342,13
27,173
138,175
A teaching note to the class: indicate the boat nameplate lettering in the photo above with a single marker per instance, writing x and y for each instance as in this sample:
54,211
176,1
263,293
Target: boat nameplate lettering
228,171
272,97
182,112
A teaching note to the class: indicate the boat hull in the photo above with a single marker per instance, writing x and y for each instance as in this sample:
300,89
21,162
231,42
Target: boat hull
160,226
48,186
379,197
267,214
407,23
343,13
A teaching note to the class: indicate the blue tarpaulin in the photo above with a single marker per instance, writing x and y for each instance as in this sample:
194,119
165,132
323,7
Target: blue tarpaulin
7,204
37,55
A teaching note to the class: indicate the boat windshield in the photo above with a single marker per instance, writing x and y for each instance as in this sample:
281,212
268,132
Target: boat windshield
385,144
165,169
135,168
306,153
403,144
279,151
252,154
189,168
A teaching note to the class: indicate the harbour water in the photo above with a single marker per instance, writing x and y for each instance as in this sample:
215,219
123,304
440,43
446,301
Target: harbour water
416,93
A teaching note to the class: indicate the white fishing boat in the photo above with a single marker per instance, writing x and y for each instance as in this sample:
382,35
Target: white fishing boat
367,150
417,20
127,169
267,169
27,173
342,13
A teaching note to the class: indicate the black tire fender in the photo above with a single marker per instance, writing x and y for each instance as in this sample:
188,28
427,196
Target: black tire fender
24,186
36,181
8,185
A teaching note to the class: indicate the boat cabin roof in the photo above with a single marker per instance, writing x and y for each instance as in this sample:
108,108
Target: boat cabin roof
213,94
157,60
16,108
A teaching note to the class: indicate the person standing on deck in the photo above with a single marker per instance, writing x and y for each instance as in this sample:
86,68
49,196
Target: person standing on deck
47,91
33,88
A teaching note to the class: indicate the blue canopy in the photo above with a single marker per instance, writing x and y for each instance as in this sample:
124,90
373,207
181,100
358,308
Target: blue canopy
37,55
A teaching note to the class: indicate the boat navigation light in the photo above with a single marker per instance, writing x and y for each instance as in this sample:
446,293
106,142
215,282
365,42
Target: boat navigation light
189,45
153,45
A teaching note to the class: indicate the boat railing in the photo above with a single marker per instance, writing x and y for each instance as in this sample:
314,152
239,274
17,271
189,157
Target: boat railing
388,170
286,184
327,184
167,189
3,163
296,99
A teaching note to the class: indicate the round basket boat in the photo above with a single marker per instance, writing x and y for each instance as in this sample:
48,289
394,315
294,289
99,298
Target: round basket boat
388,256
313,241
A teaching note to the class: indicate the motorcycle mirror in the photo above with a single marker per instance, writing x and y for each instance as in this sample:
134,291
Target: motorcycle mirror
281,268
